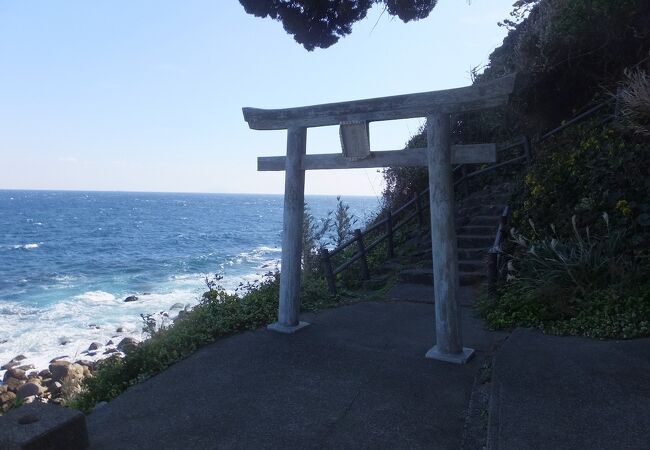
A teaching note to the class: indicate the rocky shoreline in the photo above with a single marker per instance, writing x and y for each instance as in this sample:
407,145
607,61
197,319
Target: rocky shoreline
23,383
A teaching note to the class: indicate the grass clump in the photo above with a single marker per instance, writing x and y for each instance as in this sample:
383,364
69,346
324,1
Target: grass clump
588,285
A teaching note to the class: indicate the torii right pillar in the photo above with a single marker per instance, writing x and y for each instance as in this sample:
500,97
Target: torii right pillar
449,343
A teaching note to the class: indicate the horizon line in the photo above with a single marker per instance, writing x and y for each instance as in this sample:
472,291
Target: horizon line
378,197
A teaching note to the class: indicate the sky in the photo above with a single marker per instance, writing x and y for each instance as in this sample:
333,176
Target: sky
146,95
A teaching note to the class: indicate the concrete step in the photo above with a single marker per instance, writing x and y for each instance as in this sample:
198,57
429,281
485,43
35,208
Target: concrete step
483,230
465,254
474,241
483,219
425,276
470,278
479,210
488,199
471,265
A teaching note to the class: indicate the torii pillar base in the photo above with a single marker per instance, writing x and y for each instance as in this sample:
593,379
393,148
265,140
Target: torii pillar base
455,358
277,326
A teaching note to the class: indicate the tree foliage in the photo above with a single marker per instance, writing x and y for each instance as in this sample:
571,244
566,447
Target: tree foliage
320,23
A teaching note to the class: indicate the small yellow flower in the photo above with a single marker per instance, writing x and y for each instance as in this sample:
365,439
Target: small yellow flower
623,207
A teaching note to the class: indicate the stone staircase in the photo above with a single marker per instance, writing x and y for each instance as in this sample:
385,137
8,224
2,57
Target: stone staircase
477,220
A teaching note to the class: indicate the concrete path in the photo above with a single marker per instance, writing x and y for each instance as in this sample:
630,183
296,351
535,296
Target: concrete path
570,393
355,378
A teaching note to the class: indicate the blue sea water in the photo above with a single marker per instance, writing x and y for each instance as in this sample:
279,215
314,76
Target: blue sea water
68,259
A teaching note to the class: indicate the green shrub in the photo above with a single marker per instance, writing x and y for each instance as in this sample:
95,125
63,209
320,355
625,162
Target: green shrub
606,313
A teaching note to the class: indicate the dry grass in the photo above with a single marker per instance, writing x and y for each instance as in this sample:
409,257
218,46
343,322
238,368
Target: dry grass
634,97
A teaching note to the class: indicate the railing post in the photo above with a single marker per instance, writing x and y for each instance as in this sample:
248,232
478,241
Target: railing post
492,261
327,270
365,273
390,249
418,208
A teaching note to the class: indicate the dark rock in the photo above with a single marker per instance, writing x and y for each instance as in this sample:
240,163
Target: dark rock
58,358
94,346
19,358
29,389
53,387
120,330
110,342
16,373
27,367
111,351
131,298
181,314
13,384
59,369
176,306
45,373
92,353
128,344
9,365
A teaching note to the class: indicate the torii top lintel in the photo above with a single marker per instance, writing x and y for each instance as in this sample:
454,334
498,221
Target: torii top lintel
470,98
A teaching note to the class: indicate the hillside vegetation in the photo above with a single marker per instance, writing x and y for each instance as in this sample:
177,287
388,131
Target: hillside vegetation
580,212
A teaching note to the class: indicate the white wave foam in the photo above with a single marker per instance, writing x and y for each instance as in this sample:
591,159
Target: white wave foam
96,297
26,246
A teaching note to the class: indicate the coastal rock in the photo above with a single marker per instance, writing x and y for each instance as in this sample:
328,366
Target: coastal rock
131,298
3,388
16,373
45,373
6,401
30,399
110,342
19,358
91,353
9,365
110,351
59,369
53,387
128,344
27,367
29,389
94,346
13,384
176,306
120,330
180,315
58,358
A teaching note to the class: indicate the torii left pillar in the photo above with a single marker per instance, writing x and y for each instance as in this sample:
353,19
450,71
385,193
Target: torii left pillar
449,343
294,209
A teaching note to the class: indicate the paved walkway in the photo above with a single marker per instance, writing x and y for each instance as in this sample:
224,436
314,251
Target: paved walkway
570,393
355,378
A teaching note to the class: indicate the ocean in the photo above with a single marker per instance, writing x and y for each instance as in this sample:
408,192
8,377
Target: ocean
69,259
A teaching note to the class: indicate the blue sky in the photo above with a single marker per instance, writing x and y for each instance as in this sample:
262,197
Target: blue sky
146,95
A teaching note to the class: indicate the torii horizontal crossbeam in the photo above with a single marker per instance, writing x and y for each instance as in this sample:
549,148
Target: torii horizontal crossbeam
471,98
417,157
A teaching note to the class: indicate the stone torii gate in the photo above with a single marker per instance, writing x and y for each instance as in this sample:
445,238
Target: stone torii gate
353,118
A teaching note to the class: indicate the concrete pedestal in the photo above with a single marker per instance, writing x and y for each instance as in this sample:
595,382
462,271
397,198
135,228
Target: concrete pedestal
456,358
277,326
